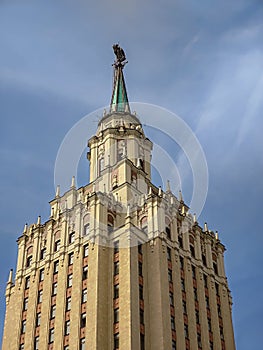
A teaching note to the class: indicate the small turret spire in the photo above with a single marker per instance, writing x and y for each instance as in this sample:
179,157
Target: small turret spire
119,99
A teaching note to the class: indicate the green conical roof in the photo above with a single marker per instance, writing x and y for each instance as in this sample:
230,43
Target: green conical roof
119,100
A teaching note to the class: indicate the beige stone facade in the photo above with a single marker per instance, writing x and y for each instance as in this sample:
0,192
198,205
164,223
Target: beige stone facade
120,264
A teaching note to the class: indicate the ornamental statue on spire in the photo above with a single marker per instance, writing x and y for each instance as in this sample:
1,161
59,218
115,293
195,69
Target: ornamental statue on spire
120,56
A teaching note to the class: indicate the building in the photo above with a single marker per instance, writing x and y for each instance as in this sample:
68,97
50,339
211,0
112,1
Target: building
120,264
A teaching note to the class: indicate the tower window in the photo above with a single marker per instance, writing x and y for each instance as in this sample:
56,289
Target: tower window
141,292
186,333
42,253
205,281
172,323
86,230
193,272
181,263
141,316
69,281
195,294
199,342
142,341
169,254
54,288
101,165
84,296
85,273
29,261
207,302
170,275
116,315
68,304
51,335
40,296
173,345
144,225
70,258
41,275
36,343
116,291
192,250
82,344
180,241
204,260
27,282
209,325
197,318
56,265
85,250
110,223
171,297
83,320
53,311
215,268
23,327
116,268
140,268
71,237
116,247
57,245
116,341
67,328
38,319
182,285
184,307
25,306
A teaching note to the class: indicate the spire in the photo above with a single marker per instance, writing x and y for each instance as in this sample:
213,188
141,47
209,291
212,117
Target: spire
119,99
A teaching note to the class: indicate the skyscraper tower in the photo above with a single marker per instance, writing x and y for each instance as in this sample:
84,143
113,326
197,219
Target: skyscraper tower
120,264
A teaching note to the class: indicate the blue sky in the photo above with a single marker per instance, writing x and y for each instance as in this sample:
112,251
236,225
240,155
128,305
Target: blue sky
202,60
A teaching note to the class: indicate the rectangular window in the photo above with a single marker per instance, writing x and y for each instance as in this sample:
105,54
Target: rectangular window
221,333
53,311
197,318
56,265
139,248
142,341
209,325
68,304
168,232
27,282
38,319
116,341
116,291
219,310
169,256
173,345
141,292
182,285
186,333
82,344
36,343
23,327
140,268
116,315
205,281
141,316
83,320
69,282
193,272
71,237
70,258
172,323
41,275
54,288
51,335
195,294
217,289
40,296
86,250
85,273
84,296
25,305
207,302
171,297
184,307
42,253
170,275
199,342
215,268
57,245
67,328
211,345
116,268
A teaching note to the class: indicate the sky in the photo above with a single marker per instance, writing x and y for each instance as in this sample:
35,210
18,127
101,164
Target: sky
202,60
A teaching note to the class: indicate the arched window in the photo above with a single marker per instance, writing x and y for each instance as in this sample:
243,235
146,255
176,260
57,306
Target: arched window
144,225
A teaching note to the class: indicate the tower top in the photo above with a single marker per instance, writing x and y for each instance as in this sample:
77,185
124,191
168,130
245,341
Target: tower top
119,99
